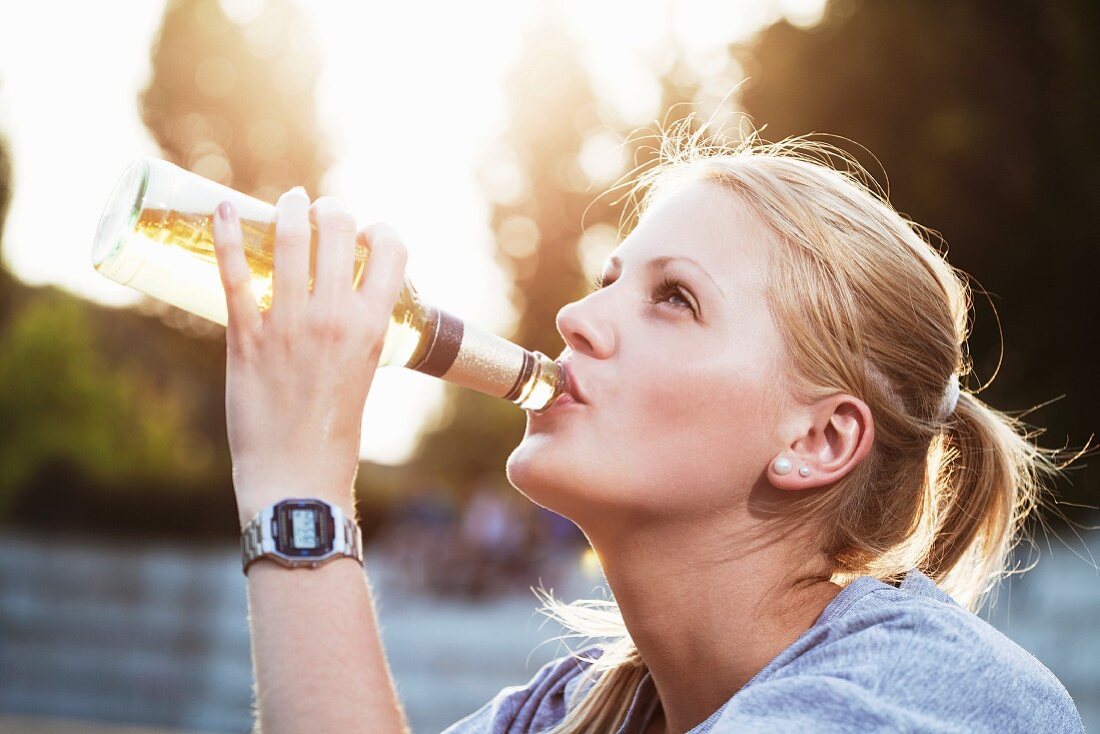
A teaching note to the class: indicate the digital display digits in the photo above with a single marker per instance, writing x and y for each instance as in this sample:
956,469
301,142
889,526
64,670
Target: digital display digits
304,524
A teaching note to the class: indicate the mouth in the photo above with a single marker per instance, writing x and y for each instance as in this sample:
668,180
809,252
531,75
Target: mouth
573,391
571,395
566,399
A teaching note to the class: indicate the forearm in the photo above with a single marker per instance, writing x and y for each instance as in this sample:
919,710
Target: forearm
317,653
296,382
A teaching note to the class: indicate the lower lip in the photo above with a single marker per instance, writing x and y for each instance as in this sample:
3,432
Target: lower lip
561,403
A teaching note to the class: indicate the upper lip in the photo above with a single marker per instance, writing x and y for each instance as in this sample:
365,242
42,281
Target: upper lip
572,386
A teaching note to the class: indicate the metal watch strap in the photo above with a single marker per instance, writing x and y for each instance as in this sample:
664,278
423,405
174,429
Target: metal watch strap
253,535
250,542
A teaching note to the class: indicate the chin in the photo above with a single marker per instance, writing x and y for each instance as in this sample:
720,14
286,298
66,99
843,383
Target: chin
561,481
546,479
529,467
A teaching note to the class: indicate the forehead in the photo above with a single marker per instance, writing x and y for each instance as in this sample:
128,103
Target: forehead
709,224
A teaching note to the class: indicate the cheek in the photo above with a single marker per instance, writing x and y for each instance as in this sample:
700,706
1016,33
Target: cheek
703,425
664,430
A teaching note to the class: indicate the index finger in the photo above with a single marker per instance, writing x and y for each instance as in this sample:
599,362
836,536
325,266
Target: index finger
233,269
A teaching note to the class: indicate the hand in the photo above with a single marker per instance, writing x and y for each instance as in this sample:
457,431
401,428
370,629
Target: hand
298,374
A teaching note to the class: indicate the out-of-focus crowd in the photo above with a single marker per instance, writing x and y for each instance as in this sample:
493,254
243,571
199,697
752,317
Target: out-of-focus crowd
483,548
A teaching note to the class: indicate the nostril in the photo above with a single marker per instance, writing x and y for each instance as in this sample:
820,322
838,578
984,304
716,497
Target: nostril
583,345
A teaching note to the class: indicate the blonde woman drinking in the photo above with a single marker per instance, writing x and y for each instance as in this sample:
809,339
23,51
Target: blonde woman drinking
796,503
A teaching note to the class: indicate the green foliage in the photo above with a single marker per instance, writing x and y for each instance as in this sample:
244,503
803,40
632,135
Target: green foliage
61,400
8,286
110,409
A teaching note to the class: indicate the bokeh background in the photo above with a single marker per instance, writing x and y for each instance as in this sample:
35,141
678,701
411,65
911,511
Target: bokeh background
488,134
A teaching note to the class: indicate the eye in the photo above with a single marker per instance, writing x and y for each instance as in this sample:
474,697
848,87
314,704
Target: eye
669,288
667,291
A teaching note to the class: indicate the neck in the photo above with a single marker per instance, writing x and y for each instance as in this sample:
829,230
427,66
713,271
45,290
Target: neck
709,602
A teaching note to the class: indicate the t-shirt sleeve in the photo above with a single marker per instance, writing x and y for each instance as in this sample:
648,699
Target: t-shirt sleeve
942,673
532,707
826,704
819,703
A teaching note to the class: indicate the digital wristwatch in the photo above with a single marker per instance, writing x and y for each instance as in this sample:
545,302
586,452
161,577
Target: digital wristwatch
300,533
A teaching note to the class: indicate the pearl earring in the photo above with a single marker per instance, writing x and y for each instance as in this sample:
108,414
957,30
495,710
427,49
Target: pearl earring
782,465
804,471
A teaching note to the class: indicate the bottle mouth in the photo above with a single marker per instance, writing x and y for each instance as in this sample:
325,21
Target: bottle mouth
121,212
549,382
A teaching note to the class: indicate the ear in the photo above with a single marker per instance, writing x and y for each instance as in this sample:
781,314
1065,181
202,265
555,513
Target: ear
835,436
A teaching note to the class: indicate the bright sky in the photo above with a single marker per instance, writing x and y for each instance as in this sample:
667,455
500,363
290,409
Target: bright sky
68,107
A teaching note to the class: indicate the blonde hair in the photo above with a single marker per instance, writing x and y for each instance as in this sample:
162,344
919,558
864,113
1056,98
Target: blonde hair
870,308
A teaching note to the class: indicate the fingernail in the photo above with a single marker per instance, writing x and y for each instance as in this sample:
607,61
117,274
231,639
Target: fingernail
225,211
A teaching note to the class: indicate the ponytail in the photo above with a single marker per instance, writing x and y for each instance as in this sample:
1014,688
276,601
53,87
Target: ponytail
602,698
986,479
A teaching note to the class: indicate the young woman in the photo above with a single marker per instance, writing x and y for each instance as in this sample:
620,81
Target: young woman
795,505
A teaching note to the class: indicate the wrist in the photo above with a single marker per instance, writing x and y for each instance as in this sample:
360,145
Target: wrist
300,532
258,486
250,505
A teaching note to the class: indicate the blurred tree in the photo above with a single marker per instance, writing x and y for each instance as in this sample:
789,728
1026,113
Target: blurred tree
61,401
235,103
978,112
10,288
539,193
108,414
117,417
5,182
681,97
554,225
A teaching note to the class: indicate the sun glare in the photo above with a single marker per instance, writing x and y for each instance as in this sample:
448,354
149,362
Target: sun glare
412,101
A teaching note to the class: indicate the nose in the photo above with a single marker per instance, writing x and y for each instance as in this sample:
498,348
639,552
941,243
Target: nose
583,331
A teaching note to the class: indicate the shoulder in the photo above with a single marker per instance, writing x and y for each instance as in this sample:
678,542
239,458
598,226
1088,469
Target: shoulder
535,705
911,658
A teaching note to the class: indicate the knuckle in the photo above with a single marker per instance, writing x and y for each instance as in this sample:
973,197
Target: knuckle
397,246
243,337
326,203
327,326
224,237
393,251
342,223
375,353
285,336
291,231
376,339
335,218
291,193
381,234
235,282
225,241
372,328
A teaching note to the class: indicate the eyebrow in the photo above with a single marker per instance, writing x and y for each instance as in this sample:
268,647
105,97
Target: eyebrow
660,263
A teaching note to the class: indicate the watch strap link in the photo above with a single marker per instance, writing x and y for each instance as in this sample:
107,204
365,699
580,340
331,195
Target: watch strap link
251,543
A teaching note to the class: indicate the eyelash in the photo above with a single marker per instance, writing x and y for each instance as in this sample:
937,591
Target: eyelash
667,287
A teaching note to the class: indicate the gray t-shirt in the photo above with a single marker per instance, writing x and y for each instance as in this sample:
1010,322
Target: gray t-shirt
879,658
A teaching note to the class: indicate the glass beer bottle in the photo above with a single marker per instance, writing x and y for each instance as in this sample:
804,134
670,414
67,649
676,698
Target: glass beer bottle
156,236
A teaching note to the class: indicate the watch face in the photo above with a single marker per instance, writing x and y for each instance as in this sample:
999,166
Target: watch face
303,528
303,525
